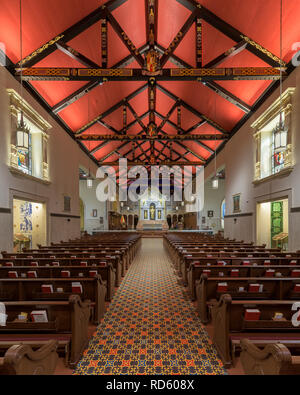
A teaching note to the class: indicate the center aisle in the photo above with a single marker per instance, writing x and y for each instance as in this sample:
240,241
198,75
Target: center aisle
150,327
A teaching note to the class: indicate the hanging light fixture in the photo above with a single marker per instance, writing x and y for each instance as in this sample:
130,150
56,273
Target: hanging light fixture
22,131
215,179
89,180
280,131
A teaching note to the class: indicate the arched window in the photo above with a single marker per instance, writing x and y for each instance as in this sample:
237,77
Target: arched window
223,208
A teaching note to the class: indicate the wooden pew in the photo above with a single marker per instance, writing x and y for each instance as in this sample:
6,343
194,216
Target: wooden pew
230,327
20,359
69,259
25,289
195,272
274,359
106,272
280,288
67,324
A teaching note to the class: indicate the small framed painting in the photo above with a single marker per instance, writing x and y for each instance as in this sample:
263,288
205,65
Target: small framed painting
101,220
236,203
210,213
94,213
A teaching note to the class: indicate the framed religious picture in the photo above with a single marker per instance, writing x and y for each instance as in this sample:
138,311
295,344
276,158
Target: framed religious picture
210,213
236,203
101,220
94,213
203,220
145,214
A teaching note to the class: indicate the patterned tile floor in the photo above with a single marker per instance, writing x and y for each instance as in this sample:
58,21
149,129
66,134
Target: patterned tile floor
151,326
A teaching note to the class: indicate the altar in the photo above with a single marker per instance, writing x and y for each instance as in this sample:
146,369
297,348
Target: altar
161,225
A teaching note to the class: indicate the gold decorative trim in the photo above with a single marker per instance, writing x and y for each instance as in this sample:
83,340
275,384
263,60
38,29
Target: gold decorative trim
40,50
274,110
18,104
263,50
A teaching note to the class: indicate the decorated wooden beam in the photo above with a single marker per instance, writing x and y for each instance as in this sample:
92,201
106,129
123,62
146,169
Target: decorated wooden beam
192,109
103,144
233,33
125,39
199,37
152,100
178,38
111,109
124,130
67,35
178,117
151,7
146,137
211,85
79,93
104,43
184,132
160,163
181,74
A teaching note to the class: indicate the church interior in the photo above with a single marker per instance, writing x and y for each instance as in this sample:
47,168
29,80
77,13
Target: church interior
198,275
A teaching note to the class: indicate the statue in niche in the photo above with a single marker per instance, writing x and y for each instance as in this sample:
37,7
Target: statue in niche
152,211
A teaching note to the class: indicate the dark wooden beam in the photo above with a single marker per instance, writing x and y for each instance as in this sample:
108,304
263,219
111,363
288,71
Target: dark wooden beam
181,131
237,48
125,39
217,88
93,84
136,117
163,162
104,43
152,100
167,117
181,74
178,38
145,137
199,47
151,7
211,84
233,33
93,151
67,35
72,53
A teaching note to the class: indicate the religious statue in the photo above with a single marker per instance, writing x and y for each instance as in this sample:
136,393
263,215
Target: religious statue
152,211
145,214
159,214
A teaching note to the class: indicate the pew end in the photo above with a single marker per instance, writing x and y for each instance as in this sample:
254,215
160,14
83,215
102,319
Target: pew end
274,359
20,359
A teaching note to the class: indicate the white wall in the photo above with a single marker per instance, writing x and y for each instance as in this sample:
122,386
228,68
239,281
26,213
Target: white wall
91,203
65,158
212,201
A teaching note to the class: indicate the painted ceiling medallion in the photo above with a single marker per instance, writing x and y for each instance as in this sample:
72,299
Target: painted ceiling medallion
152,63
